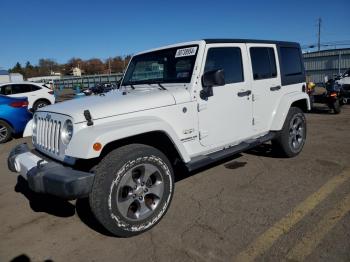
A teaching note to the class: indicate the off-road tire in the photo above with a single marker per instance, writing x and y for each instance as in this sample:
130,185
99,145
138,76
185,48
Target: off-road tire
110,173
5,132
283,144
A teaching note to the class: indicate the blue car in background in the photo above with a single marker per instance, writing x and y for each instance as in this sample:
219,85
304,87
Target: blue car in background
14,116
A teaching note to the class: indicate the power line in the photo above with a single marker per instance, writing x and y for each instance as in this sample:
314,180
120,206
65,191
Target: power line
319,34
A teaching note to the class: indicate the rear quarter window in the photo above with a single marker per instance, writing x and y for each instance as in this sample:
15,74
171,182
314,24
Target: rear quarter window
291,63
34,88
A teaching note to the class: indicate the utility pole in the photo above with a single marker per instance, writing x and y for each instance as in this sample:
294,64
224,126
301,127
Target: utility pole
319,34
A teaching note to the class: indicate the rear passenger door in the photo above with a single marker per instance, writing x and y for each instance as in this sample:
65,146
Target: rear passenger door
266,84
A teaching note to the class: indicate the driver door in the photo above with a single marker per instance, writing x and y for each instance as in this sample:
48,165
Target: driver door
226,117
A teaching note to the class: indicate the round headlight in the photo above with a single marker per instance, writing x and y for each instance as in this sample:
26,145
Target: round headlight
67,132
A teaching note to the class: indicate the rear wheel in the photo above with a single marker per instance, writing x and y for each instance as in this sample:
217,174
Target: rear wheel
5,132
291,139
132,190
39,104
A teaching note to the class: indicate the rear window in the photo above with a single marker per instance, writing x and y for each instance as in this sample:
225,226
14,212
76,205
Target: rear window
291,61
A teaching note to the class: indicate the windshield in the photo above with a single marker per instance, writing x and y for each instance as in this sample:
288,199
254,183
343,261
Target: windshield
173,65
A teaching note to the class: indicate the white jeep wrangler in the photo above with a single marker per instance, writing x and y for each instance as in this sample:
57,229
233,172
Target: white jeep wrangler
191,103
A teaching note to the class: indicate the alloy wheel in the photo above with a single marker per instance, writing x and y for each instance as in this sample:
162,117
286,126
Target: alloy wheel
140,191
3,132
296,132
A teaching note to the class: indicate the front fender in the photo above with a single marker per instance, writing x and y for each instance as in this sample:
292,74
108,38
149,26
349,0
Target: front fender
28,131
82,142
281,111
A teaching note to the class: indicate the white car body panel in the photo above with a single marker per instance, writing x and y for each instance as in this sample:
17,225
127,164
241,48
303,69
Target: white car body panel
226,97
281,111
28,131
195,126
264,100
42,93
81,146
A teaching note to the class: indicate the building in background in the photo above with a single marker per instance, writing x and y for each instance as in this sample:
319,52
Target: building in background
5,77
326,64
76,71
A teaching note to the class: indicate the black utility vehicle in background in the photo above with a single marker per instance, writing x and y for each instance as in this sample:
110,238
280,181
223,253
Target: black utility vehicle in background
330,94
345,94
100,88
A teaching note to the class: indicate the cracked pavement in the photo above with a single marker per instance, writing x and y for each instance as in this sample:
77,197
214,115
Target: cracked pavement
215,214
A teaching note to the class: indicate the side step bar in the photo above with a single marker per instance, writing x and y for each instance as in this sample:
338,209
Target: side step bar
203,160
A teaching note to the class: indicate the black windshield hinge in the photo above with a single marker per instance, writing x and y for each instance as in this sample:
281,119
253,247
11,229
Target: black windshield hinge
88,117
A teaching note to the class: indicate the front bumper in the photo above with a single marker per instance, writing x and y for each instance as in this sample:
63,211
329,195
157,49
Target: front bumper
48,176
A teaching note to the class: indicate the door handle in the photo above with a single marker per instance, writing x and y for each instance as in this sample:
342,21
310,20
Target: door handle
244,93
275,88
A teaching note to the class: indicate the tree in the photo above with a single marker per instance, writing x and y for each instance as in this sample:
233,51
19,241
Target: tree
17,68
30,70
66,69
46,66
93,66
118,64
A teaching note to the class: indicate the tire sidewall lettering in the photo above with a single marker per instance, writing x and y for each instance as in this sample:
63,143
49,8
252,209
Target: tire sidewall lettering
117,218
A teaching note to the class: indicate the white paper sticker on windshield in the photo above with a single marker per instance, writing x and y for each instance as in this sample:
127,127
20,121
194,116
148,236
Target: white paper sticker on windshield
186,52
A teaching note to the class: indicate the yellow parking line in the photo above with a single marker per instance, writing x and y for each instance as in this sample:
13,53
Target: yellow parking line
311,240
268,238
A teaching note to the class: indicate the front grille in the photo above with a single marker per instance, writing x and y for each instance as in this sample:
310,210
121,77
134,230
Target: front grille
48,134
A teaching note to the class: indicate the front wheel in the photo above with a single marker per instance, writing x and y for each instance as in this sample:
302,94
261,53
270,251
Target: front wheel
291,139
132,190
5,132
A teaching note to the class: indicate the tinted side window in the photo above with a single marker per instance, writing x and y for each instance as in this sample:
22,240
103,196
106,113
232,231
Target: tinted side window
5,90
263,62
34,88
227,58
17,89
291,61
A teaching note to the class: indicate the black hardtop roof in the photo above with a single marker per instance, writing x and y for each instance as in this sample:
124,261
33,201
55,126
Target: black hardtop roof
253,41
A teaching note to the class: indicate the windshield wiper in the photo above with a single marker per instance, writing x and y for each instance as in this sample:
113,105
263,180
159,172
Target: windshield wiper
159,84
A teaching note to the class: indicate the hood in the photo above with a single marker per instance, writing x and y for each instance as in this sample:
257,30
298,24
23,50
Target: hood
116,103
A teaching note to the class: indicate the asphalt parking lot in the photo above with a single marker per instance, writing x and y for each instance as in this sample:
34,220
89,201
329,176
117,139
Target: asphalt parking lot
254,206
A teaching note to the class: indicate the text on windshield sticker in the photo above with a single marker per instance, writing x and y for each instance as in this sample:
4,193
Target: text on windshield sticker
186,52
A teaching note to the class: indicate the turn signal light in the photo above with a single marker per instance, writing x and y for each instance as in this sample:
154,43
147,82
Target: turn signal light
19,104
333,94
97,146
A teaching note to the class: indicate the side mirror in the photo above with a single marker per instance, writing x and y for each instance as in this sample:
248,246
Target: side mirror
210,79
